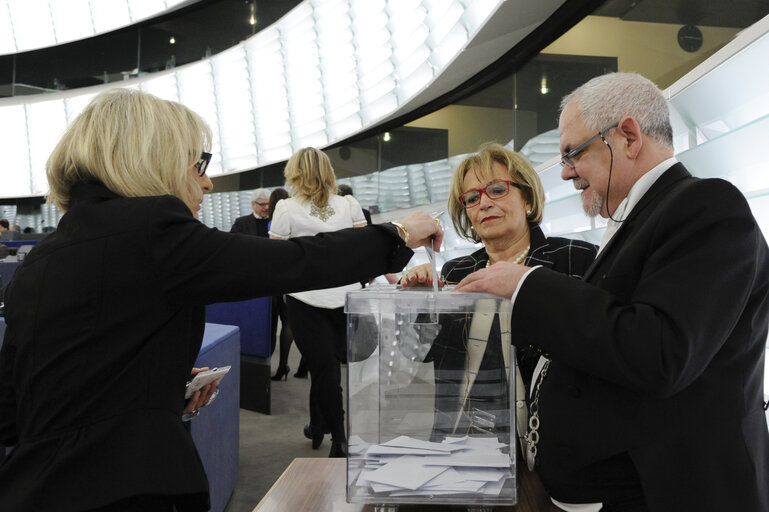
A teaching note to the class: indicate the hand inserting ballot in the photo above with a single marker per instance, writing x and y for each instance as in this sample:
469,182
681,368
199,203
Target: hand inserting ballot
420,229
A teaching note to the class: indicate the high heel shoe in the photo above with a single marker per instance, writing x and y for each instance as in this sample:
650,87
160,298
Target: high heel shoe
338,450
316,436
281,373
301,372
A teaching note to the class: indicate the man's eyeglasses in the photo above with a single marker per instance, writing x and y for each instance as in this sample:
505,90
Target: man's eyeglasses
263,205
494,190
568,158
202,164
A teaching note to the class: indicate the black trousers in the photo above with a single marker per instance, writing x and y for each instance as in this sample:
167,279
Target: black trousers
321,336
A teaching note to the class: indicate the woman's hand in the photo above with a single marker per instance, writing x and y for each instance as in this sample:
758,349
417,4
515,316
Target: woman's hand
422,230
200,397
421,275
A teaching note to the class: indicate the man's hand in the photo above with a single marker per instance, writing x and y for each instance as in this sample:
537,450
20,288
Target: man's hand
500,279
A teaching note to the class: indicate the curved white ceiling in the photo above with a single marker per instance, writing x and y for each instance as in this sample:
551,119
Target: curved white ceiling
33,24
326,71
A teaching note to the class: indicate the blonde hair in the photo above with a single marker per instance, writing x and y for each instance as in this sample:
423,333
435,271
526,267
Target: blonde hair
310,176
521,172
134,143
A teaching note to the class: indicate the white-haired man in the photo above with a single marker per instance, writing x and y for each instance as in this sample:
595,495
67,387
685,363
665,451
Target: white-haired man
255,224
654,396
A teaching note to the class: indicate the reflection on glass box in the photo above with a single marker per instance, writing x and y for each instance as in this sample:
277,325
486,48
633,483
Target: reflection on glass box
430,382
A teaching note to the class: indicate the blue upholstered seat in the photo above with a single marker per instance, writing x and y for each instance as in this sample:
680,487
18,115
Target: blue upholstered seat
216,430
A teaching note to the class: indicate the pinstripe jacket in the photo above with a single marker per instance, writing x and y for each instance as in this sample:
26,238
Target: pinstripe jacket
566,256
563,255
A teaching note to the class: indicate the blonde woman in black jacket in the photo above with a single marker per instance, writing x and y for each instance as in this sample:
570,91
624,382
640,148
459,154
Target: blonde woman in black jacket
105,316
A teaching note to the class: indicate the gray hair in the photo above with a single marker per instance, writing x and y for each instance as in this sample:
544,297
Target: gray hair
605,99
260,193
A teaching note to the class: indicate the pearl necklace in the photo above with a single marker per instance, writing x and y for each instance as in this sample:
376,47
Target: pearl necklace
518,259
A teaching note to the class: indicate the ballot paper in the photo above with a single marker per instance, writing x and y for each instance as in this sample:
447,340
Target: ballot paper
380,449
410,442
406,466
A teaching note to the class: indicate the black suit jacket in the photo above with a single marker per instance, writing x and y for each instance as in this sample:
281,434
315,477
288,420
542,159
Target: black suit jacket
105,318
250,225
658,356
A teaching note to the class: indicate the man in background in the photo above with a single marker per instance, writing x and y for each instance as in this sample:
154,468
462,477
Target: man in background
256,223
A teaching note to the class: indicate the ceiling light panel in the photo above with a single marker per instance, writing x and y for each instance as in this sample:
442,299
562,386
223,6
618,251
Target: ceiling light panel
196,88
77,13
13,133
33,24
46,119
233,104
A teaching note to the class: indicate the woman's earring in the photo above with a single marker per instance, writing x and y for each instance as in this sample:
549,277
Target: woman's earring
528,212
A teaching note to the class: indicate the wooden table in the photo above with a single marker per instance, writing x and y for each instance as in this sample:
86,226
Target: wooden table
318,485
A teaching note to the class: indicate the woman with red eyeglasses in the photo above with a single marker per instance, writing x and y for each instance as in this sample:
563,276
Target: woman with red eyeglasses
495,198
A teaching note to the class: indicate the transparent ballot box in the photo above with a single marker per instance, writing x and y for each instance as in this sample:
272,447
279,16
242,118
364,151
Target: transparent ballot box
430,397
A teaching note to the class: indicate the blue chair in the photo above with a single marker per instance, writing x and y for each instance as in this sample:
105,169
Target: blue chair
216,430
254,317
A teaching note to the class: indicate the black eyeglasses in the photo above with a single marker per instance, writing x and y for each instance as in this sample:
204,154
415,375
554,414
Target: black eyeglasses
202,164
494,190
568,158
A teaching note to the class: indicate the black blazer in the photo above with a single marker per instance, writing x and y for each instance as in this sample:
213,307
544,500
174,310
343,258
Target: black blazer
658,356
250,225
105,318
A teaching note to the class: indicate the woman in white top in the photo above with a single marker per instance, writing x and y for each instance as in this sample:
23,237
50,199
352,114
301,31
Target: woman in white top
317,316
